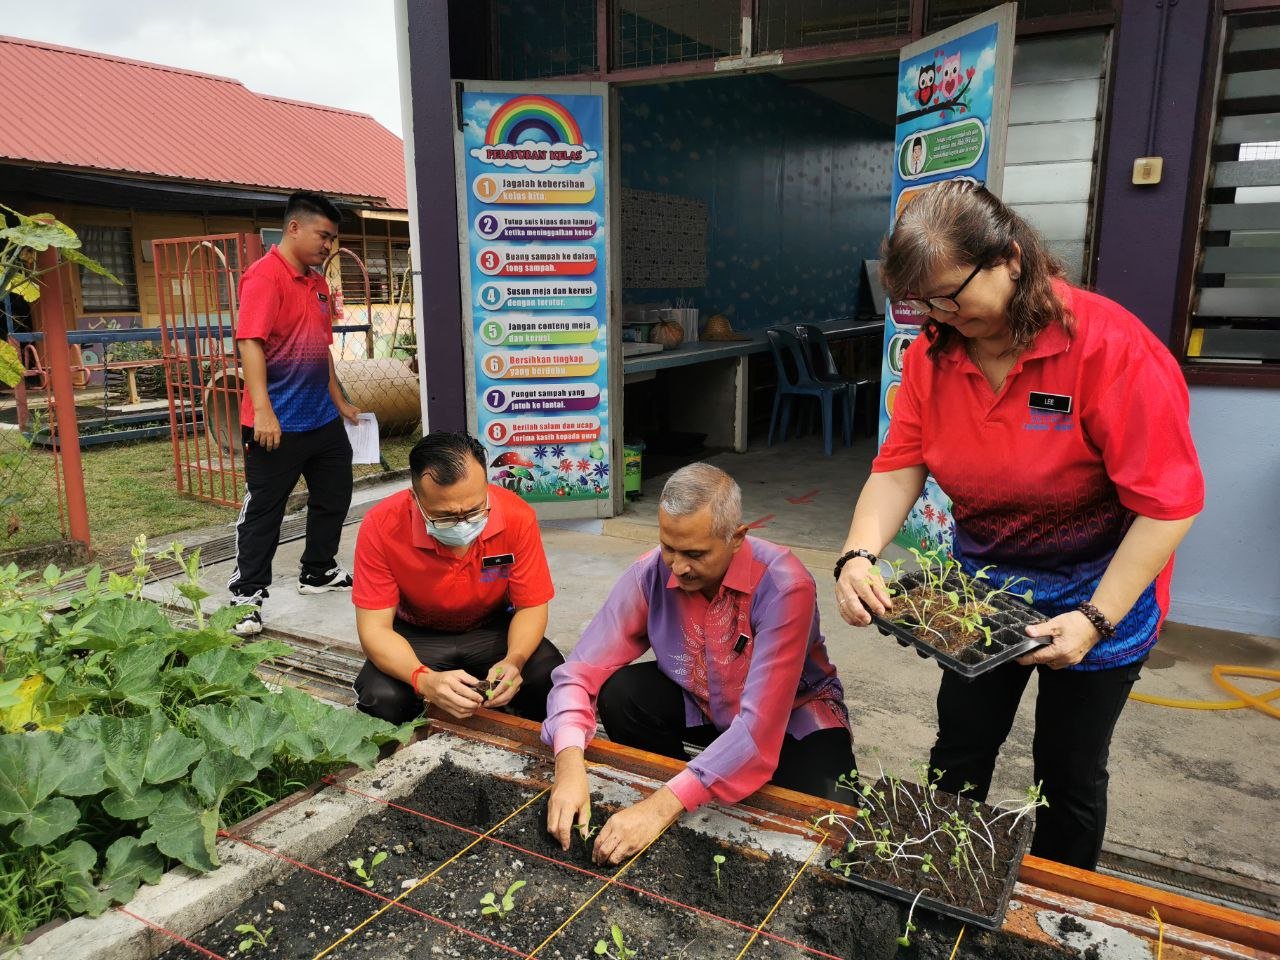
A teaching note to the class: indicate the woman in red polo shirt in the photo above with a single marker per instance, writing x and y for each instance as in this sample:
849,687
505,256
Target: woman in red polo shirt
1058,426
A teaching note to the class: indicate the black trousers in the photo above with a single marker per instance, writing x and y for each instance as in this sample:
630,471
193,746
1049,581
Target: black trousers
1076,714
323,456
476,652
640,706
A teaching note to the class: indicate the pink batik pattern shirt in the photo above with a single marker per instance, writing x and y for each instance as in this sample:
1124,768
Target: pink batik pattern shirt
751,661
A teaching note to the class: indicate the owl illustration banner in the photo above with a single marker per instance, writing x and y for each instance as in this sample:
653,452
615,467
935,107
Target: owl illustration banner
952,120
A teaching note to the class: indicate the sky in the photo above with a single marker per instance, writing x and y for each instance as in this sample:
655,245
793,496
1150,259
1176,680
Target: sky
340,53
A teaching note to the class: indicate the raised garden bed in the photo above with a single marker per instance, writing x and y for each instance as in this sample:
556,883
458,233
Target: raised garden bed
464,832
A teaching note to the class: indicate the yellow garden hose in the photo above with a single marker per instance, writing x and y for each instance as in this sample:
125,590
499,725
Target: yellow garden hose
1243,699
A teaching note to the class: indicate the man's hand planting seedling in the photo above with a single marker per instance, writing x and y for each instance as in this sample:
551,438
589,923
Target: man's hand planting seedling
367,874
492,905
254,938
504,683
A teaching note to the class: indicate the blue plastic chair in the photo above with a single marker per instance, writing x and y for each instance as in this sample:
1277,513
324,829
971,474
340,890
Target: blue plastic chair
825,370
796,378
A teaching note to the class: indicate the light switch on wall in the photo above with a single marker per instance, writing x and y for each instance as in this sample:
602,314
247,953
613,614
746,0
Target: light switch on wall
1147,170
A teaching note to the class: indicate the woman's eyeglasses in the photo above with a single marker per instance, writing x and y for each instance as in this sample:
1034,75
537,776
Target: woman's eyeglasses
947,304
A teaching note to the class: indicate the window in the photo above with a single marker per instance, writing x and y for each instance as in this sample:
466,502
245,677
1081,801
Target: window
1235,312
113,248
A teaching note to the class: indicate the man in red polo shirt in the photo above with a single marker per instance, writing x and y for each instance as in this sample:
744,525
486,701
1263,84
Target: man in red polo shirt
291,412
451,592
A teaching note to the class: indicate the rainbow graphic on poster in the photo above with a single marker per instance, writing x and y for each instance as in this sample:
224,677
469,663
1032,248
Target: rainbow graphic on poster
521,115
533,133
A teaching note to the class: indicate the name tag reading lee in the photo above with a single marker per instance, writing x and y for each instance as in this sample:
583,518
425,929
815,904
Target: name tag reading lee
1050,402
498,560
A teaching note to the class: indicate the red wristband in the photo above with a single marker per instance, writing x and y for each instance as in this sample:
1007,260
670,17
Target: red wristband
413,677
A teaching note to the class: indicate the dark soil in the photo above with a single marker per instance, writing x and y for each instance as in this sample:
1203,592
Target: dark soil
650,927
680,866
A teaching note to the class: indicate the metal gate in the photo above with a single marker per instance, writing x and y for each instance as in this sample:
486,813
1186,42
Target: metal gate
197,279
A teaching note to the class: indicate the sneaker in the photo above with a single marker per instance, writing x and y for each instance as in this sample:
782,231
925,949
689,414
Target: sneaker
335,578
250,622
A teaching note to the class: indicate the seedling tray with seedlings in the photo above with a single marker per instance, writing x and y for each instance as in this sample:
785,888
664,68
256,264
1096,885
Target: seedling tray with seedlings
935,850
966,623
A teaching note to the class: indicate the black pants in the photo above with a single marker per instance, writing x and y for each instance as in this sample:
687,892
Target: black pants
640,706
1076,714
476,652
323,456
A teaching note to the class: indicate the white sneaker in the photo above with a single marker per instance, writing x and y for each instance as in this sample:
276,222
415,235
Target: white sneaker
250,622
335,578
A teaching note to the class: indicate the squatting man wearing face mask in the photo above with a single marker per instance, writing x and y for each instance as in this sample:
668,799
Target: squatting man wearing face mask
451,592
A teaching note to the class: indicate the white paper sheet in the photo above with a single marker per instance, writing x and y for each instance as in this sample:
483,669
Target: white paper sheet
364,439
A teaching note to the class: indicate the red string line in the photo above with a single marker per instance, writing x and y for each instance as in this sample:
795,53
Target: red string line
371,893
590,873
169,933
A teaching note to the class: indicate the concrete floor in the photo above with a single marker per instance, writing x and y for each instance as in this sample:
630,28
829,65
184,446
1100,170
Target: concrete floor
1194,786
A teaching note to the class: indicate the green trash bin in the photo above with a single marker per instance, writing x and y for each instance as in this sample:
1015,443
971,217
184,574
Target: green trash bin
631,463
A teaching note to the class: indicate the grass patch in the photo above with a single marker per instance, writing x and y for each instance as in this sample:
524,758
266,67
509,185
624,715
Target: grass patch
131,489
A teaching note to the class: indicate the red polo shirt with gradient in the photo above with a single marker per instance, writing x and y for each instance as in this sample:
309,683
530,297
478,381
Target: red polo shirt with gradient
288,312
1048,495
398,564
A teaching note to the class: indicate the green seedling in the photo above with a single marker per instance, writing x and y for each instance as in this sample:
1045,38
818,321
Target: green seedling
253,937
586,831
602,947
366,874
492,905
905,939
716,862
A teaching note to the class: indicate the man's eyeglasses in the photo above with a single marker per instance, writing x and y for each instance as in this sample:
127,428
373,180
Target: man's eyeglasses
947,304
445,523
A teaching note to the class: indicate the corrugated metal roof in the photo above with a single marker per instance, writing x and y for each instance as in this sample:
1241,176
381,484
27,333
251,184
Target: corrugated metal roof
89,110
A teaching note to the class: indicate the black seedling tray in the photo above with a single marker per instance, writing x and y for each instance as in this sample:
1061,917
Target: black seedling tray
1008,637
992,921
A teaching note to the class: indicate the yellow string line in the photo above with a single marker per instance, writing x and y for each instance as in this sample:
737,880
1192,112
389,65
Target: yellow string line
957,946
772,910
603,887
387,906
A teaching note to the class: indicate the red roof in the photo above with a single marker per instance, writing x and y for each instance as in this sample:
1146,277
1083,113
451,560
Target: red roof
89,110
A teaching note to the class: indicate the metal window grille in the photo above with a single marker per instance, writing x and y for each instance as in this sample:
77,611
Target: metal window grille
943,13
113,248
787,24
652,32
552,38
1235,314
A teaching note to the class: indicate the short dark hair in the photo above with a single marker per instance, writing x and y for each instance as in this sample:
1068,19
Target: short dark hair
442,455
304,203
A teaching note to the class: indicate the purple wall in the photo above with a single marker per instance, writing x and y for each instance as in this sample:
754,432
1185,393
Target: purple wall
437,240
1141,229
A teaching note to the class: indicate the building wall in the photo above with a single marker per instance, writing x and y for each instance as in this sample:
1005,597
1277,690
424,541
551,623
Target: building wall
797,191
1227,573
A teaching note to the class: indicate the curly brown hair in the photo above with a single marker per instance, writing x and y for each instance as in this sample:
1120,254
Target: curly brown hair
957,223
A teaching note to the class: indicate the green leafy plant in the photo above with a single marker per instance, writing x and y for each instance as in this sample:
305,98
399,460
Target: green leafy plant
34,234
624,953
366,873
586,831
716,862
501,906
254,938
127,738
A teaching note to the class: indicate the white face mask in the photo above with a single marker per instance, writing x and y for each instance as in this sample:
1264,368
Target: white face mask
458,535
